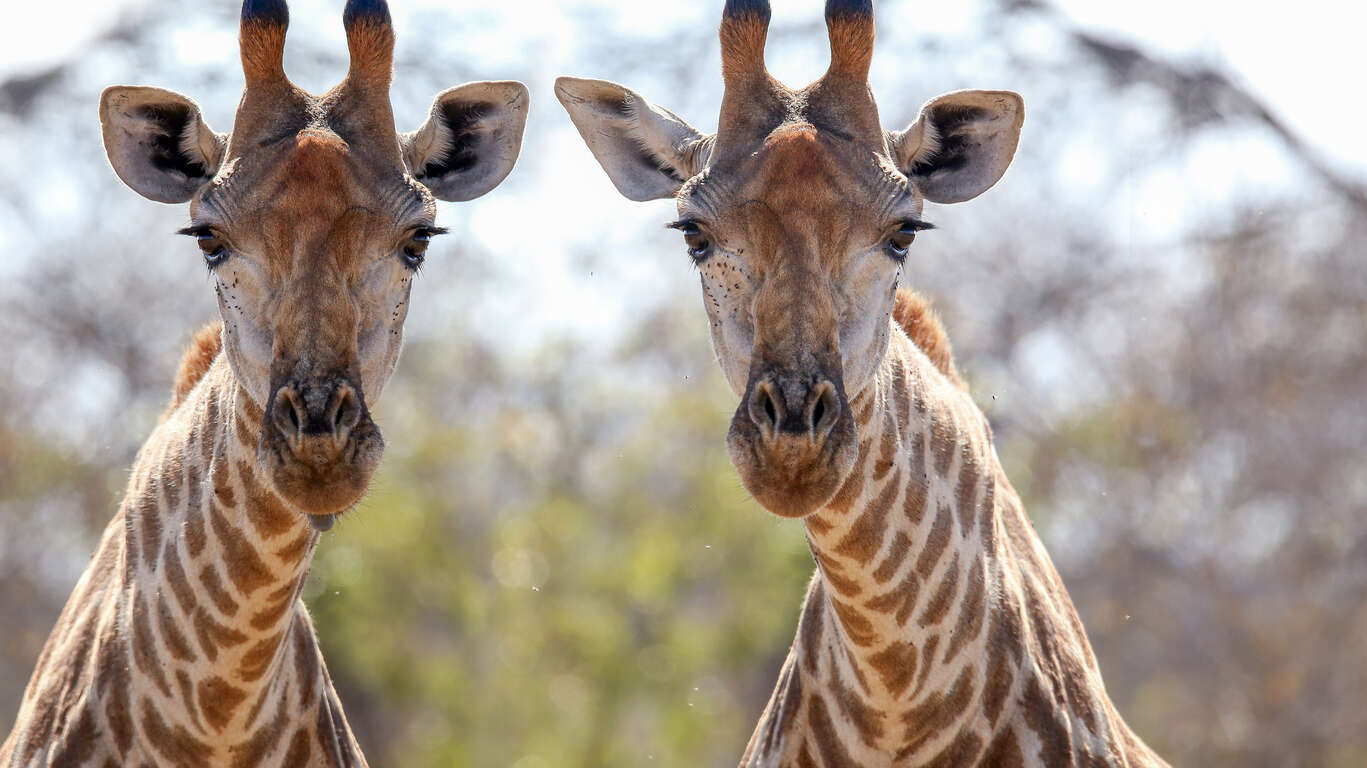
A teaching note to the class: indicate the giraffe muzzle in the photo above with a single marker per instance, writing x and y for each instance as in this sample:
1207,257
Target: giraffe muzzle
793,441
322,445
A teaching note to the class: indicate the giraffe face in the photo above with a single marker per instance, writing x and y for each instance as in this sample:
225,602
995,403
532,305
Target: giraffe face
313,217
799,213
799,246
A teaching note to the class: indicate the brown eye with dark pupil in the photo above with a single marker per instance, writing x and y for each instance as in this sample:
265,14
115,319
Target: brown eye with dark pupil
416,249
214,250
900,241
699,245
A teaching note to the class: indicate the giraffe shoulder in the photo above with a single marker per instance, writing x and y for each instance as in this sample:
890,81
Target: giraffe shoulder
199,356
922,325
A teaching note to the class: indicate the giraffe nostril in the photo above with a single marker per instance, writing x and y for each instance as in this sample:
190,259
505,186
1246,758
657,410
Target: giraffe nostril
825,410
346,412
765,410
288,416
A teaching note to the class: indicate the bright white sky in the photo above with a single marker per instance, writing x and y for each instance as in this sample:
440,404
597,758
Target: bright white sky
1304,58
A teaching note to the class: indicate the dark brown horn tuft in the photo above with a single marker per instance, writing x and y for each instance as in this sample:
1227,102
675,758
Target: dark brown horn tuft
744,29
370,38
262,40
850,23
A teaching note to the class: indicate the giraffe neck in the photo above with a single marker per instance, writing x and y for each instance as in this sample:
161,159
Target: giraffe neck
215,563
185,642
934,613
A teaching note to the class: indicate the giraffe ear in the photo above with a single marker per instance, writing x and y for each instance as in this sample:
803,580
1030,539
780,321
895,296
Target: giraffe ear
470,141
647,151
158,142
961,144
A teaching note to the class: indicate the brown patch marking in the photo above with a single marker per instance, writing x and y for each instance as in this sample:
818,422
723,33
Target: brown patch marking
972,611
897,553
939,604
187,697
937,541
177,745
77,742
268,515
295,551
145,649
208,578
218,700
896,666
865,536
301,748
213,635
171,634
175,576
279,603
944,435
939,711
829,747
810,627
246,570
1004,751
258,658
253,751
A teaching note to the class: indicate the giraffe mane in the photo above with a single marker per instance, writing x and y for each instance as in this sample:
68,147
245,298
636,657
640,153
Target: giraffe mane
922,325
194,364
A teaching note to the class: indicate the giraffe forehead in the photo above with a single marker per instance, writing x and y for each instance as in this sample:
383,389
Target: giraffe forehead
320,162
802,192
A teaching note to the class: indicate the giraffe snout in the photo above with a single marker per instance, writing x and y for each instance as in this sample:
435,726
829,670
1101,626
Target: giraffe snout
804,408
321,443
316,419
793,440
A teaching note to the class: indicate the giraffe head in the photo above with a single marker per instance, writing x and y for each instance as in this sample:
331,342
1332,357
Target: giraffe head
799,213
313,216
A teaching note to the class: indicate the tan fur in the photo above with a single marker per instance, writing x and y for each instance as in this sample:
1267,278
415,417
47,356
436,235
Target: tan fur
920,322
204,346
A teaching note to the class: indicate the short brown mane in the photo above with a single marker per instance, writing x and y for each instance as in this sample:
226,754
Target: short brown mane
204,347
920,322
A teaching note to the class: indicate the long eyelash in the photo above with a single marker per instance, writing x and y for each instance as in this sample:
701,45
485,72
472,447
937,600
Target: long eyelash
192,231
916,225
433,231
681,224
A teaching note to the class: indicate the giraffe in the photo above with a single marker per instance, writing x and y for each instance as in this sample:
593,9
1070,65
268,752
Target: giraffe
935,630
185,642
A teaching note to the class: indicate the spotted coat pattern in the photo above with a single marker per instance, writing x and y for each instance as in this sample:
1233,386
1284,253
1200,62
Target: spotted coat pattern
185,642
935,631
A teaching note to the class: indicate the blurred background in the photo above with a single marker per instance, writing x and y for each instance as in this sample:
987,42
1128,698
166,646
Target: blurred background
1161,308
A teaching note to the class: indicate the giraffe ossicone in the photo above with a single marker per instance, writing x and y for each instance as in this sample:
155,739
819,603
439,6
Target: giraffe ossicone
186,642
936,630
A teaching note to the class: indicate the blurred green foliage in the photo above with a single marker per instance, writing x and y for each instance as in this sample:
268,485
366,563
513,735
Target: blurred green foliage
613,617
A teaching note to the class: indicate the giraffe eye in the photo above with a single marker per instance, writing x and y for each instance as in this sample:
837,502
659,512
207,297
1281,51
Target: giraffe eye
213,247
415,250
899,242
699,244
